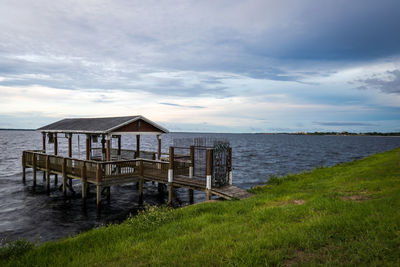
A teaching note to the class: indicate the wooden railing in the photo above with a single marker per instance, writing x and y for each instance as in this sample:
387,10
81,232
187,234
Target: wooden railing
126,154
96,171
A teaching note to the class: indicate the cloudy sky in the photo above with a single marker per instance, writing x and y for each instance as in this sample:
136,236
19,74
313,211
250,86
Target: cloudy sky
214,66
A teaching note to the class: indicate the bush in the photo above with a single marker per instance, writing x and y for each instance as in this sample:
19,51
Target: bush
150,216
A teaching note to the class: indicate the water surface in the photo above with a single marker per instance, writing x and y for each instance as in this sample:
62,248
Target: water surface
32,213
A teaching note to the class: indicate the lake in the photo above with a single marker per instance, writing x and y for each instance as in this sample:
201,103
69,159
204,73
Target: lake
32,213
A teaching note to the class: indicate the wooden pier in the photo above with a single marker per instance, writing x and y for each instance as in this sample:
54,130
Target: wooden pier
107,166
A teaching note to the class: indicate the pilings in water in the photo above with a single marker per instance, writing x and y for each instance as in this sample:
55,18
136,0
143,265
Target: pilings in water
84,183
34,169
170,175
141,181
64,176
48,173
98,186
209,159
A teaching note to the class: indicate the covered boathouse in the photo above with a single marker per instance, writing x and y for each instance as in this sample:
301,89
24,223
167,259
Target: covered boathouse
107,166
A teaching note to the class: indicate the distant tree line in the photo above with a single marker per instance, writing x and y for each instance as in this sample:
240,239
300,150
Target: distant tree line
349,133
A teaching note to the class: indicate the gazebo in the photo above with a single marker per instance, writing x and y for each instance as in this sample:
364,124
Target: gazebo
105,128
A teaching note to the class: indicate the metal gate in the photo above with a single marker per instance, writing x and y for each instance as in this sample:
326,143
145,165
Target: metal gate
221,162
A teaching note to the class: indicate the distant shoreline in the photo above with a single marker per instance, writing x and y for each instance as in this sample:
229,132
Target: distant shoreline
10,129
390,134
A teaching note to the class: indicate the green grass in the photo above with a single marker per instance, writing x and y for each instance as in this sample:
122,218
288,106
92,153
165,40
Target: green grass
344,215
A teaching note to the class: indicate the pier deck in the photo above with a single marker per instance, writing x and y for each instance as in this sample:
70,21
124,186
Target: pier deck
104,174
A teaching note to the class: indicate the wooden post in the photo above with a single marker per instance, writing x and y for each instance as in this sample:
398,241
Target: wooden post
108,148
44,142
230,166
191,172
137,146
141,180
98,186
84,182
23,167
55,144
170,175
70,145
44,149
159,147
64,176
119,148
87,146
103,148
209,173
191,167
34,169
55,153
98,199
48,173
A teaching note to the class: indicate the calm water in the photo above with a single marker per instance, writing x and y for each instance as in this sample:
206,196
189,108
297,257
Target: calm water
29,212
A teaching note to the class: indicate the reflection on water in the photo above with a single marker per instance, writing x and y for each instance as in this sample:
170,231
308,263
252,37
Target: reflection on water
32,213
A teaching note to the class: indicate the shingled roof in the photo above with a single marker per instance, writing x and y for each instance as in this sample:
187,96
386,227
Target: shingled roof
107,125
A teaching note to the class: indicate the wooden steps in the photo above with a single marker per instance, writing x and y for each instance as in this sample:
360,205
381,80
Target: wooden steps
230,192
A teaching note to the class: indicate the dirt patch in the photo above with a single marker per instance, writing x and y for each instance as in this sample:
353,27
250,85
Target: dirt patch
356,198
298,257
283,203
298,201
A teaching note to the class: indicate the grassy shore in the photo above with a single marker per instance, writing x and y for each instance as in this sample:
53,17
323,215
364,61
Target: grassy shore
344,215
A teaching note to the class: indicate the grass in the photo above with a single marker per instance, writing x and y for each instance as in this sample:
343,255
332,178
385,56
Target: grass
343,215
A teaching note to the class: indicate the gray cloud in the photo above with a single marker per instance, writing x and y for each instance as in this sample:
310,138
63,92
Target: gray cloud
387,86
119,44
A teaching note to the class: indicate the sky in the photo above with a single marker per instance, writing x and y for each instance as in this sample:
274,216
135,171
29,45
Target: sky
203,66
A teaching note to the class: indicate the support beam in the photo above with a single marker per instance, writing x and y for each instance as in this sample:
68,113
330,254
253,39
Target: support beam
55,144
191,167
98,198
47,173
64,177
88,146
103,148
98,186
34,169
70,145
44,149
84,183
159,147
230,166
209,173
55,153
108,148
119,148
141,180
137,146
170,175
44,142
